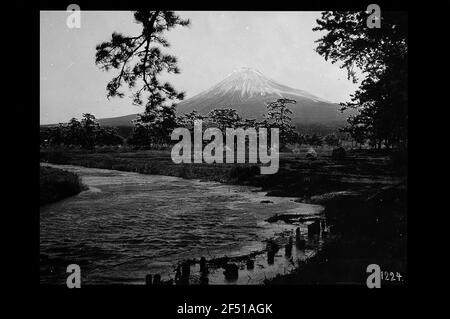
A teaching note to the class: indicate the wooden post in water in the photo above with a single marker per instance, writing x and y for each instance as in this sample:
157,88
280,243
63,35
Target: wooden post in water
299,241
204,280
314,229
148,280
231,272
157,279
288,248
185,270
297,234
203,267
183,273
270,257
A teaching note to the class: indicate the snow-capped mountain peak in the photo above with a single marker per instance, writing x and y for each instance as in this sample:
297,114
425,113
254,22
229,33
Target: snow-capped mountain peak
248,91
246,83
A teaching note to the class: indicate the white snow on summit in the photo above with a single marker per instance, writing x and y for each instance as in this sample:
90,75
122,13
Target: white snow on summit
247,82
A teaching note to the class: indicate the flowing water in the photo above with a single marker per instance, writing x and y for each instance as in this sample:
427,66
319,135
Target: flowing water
127,225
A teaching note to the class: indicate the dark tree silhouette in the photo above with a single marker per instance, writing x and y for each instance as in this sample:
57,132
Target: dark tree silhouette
248,123
331,139
187,120
224,118
314,139
381,54
90,128
57,134
160,122
279,113
75,132
108,136
140,136
140,61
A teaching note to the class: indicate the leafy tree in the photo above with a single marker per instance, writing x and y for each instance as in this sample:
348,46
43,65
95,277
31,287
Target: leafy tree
314,139
160,122
300,139
358,131
57,134
140,136
332,139
90,129
108,136
44,136
382,56
224,118
75,132
264,123
279,114
140,62
187,120
248,123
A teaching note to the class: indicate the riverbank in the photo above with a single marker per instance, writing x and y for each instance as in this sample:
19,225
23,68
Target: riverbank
57,184
366,228
364,197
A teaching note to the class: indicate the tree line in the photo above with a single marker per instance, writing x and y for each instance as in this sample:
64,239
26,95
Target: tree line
85,134
278,116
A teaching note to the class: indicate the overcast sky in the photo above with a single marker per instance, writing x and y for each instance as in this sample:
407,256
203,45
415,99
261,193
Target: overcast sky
279,44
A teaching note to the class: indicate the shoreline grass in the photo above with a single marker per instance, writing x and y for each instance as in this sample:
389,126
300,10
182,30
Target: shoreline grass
57,184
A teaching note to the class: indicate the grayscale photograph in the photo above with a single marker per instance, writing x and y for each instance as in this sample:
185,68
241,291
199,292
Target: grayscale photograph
223,148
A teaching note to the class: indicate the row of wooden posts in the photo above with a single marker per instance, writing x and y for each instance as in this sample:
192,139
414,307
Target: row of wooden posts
231,271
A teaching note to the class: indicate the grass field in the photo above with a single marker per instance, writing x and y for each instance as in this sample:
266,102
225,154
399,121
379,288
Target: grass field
297,175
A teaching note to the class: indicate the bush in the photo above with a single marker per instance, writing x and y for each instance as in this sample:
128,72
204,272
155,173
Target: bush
185,171
103,162
55,157
244,172
56,184
398,160
338,154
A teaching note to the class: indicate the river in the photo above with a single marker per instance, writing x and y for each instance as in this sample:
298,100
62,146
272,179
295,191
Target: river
127,225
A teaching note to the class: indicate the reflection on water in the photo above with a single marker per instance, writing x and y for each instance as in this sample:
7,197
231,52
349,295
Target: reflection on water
128,225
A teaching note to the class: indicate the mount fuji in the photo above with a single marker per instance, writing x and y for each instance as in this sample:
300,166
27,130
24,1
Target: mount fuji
248,91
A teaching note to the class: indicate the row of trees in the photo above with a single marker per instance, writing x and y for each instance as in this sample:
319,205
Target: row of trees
157,130
85,133
278,115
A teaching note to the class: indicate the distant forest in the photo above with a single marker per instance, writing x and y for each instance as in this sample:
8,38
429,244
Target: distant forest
88,134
